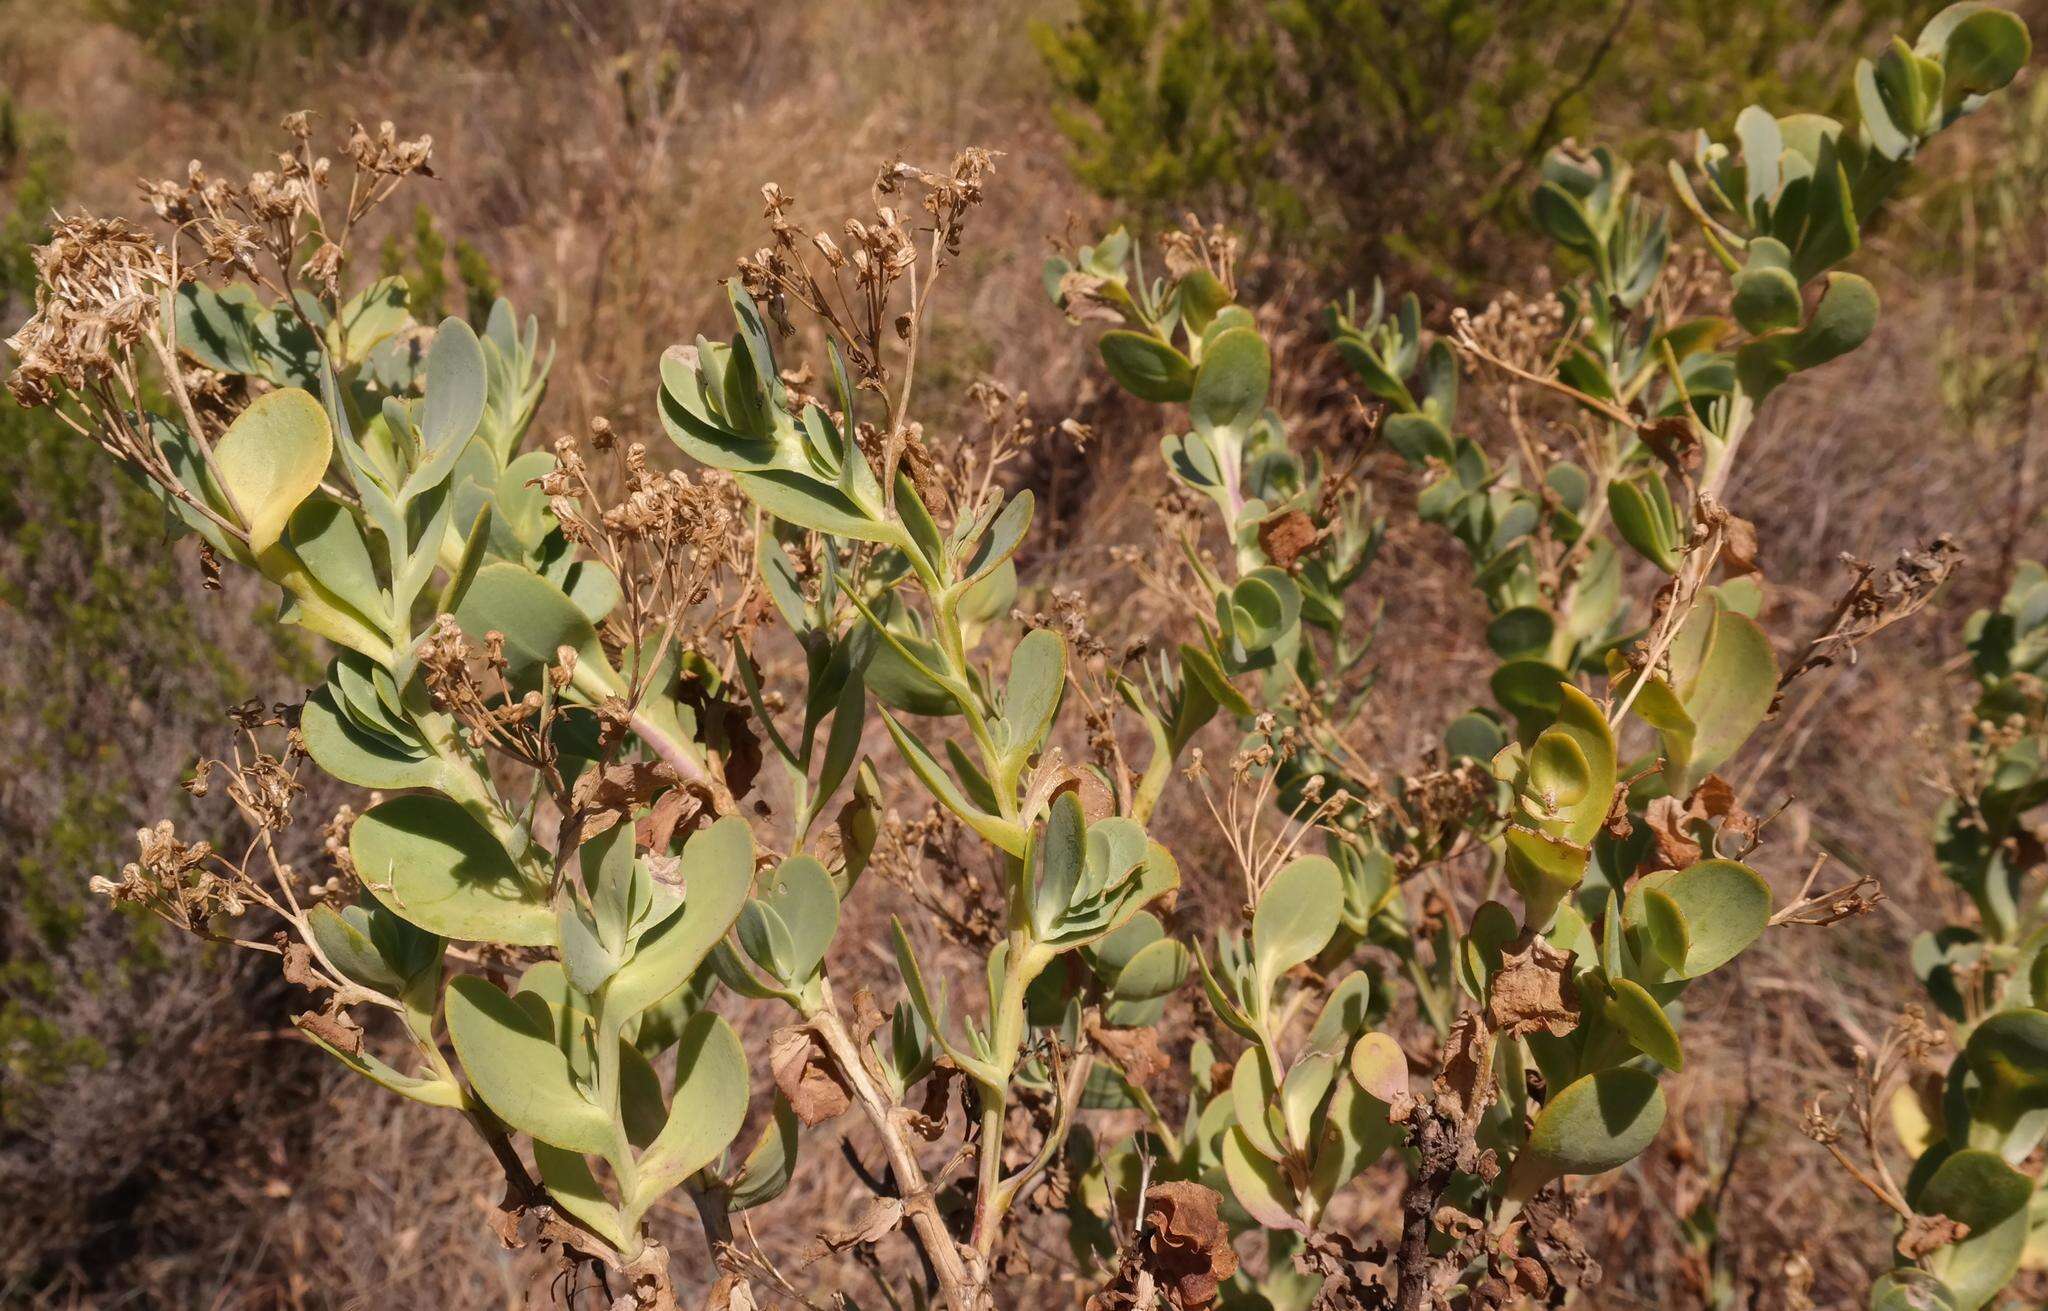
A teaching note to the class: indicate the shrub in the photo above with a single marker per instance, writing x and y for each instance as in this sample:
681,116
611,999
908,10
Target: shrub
614,721
1358,129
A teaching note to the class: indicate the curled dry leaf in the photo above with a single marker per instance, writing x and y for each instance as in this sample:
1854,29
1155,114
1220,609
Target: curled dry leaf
1672,440
805,1073
1134,1051
1351,1274
929,1119
1738,546
1713,804
1288,536
1082,297
298,967
1182,1257
1533,990
1464,1084
1559,1248
1930,1233
875,1222
1671,847
731,1293
335,1027
671,812
1188,1243
867,1015
621,788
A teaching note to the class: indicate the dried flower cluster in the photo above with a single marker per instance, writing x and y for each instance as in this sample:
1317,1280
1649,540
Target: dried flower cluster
98,285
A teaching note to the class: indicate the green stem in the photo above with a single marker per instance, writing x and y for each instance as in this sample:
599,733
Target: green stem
625,1165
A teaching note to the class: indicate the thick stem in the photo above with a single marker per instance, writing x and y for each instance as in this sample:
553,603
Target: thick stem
987,1204
676,754
960,1289
1436,1141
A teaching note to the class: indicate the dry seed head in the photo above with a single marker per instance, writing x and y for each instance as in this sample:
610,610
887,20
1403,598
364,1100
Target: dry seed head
97,282
386,154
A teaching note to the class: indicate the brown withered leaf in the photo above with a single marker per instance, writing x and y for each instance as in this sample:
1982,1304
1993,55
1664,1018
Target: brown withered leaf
1181,1259
1464,1080
1672,440
1533,990
1929,1233
873,1224
1712,802
1714,799
1188,1245
1671,848
1220,1075
606,796
504,1218
1081,296
928,1121
1560,1249
298,966
1351,1274
806,1074
335,1027
867,1015
1097,801
1287,536
1739,546
656,830
1134,1051
727,729
850,835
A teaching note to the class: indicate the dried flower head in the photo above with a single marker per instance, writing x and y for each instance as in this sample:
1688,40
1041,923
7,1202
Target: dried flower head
384,153
97,283
174,879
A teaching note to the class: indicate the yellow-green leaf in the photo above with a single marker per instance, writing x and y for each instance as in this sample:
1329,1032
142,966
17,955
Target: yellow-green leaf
271,458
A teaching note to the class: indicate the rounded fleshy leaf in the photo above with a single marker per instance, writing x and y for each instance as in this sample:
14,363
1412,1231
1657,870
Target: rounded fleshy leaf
1597,1124
770,1165
1380,1066
536,617
1635,1012
431,863
1721,906
1155,971
1522,633
1910,1289
330,543
1038,676
509,1052
1253,1089
1257,1183
717,871
706,1113
801,894
350,753
2008,1052
1147,367
1983,52
1296,916
1559,775
1230,386
272,457
1977,1188
457,388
